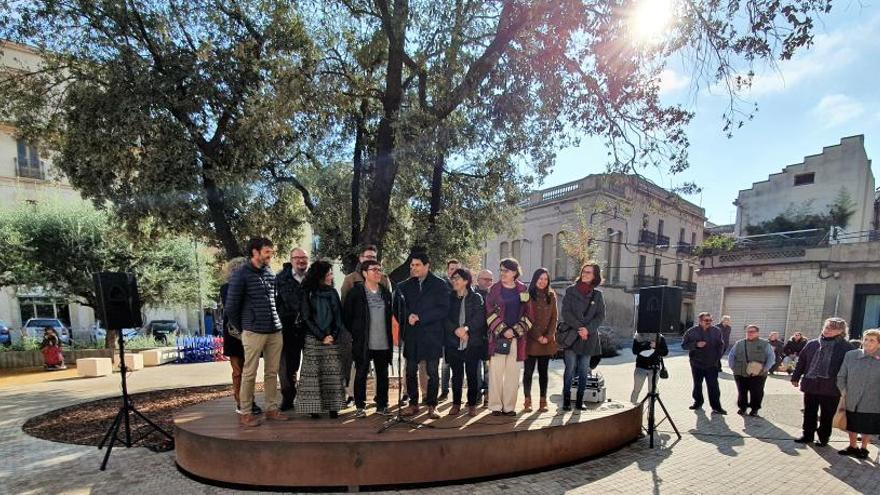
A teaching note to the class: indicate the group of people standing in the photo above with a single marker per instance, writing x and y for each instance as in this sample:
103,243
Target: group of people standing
318,343
835,376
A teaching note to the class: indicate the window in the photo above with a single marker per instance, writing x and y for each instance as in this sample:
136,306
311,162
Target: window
504,251
642,263
28,162
678,268
561,262
681,236
693,238
516,250
547,253
804,179
690,274
659,227
43,307
656,267
616,267
644,220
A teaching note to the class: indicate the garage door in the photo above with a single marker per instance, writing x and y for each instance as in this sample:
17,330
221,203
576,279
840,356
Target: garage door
766,307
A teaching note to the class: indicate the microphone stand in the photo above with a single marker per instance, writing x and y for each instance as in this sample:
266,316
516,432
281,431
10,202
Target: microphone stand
399,418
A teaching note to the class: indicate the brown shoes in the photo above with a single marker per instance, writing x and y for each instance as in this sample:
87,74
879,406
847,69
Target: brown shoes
248,420
432,414
276,415
411,411
472,411
527,405
543,407
456,410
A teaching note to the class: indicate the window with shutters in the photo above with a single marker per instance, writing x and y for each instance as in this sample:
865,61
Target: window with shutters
27,162
561,262
504,250
516,250
547,253
656,267
642,264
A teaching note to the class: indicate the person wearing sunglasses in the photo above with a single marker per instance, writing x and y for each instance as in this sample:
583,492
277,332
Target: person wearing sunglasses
705,346
367,315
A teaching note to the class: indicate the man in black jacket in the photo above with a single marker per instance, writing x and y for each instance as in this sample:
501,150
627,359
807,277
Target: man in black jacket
706,346
250,306
423,299
289,281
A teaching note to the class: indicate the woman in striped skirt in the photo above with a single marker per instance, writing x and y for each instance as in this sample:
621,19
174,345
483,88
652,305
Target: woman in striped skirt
320,387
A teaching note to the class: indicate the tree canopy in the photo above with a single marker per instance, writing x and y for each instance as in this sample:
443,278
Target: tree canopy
212,115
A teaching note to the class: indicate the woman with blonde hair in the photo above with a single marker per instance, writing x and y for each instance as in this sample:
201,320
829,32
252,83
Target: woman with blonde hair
859,383
232,346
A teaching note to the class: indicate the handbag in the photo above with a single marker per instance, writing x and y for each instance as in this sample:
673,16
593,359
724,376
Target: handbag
664,373
839,420
502,345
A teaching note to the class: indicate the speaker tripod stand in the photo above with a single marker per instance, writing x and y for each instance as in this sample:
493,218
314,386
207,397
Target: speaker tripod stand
123,417
653,398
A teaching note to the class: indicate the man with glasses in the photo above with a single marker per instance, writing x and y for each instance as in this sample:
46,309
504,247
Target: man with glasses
706,347
289,281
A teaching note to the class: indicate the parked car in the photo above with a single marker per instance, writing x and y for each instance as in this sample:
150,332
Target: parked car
5,334
100,334
34,328
161,330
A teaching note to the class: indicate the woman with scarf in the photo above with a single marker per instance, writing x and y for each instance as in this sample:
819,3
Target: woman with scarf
816,374
320,389
583,311
541,338
859,383
465,339
509,315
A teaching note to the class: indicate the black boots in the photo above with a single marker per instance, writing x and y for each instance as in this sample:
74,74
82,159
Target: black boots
566,402
579,405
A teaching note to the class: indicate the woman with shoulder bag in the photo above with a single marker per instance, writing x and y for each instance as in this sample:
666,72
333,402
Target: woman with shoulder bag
321,387
509,317
750,360
583,311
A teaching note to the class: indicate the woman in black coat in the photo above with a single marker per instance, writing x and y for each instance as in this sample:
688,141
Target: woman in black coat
367,315
465,339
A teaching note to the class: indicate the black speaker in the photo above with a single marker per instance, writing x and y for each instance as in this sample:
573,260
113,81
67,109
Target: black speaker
659,309
119,302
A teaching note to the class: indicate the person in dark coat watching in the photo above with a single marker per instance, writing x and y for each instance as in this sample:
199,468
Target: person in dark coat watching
424,300
465,342
649,349
778,355
750,360
705,344
321,381
289,281
250,306
816,374
541,338
792,349
859,382
724,326
367,315
583,312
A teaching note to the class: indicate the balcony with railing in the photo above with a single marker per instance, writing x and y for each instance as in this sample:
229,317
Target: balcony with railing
648,281
687,287
663,241
647,238
684,249
29,169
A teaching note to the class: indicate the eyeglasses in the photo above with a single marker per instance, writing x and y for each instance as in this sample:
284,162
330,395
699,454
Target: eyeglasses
706,320
751,331
374,269
299,257
485,279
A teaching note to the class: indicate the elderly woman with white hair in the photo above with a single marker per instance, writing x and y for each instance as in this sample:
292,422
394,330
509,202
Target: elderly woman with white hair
859,383
816,374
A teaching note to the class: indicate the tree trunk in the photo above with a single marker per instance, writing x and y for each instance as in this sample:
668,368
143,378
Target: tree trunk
356,178
217,212
436,193
376,221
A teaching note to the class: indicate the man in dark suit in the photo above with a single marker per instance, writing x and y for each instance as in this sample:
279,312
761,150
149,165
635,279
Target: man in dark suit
423,300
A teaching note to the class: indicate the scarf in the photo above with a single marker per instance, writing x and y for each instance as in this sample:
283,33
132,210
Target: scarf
821,365
323,306
584,288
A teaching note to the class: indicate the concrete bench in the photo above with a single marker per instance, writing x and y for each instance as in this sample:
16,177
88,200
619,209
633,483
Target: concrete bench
94,366
160,356
134,362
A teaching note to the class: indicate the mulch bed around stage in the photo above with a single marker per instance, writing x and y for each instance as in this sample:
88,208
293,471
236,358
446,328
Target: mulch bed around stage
86,423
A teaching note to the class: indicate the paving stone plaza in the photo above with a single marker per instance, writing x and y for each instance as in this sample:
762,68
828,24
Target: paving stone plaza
717,454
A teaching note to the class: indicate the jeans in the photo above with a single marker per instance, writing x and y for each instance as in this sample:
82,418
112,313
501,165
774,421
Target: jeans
749,391
412,381
458,369
575,364
640,376
711,377
291,357
812,405
444,376
381,360
542,362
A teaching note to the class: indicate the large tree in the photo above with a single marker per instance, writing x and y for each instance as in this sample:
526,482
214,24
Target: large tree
190,113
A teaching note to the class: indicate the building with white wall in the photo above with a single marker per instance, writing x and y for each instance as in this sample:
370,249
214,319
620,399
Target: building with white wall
813,185
646,237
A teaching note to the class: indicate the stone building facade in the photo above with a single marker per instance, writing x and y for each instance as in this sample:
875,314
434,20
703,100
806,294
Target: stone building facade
646,237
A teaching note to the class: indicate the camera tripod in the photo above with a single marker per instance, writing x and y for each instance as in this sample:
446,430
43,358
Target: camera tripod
653,398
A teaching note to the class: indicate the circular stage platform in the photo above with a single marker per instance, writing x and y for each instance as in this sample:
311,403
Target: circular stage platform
349,453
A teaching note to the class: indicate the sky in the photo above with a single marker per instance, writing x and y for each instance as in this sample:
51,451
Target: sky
823,94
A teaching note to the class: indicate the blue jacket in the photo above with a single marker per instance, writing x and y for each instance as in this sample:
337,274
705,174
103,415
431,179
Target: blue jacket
250,300
424,340
708,357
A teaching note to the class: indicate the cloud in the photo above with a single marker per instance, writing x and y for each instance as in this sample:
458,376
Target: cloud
836,109
671,81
